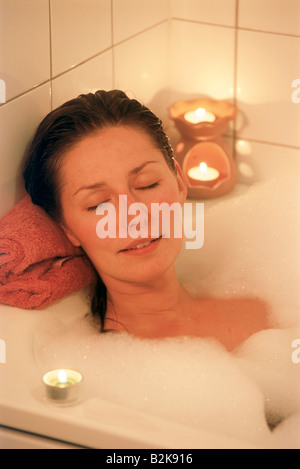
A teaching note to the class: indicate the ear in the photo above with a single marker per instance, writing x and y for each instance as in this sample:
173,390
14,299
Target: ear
72,238
182,187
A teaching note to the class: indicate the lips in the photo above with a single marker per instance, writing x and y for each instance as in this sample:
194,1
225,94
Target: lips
136,245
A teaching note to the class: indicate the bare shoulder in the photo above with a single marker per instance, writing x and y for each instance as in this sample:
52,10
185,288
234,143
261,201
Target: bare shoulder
233,320
251,311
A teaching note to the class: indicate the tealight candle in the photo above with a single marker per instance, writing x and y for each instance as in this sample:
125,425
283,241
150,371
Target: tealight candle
199,115
62,386
203,173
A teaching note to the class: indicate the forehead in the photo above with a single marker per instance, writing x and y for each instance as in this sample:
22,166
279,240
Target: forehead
110,154
112,145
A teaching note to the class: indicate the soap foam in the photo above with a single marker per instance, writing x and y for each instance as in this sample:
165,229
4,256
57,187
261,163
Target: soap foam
251,248
195,382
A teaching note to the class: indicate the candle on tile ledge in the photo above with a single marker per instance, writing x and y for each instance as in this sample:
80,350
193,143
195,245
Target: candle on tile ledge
209,170
203,173
202,153
202,118
199,115
63,385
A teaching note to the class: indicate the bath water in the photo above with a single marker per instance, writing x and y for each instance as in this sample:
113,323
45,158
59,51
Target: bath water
250,248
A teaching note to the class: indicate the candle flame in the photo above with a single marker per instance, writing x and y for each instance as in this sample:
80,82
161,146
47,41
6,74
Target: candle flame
203,167
62,376
200,112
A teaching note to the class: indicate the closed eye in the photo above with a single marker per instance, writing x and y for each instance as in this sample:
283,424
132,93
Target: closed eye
94,208
151,186
155,184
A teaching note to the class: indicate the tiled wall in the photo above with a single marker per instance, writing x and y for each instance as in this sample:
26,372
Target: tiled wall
246,51
53,50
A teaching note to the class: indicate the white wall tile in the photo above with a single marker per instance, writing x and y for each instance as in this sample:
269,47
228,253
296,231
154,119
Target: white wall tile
280,16
93,75
141,67
18,122
24,44
177,60
261,162
202,61
209,11
267,66
133,16
80,30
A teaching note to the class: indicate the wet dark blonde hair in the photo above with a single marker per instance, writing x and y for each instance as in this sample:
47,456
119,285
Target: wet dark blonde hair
62,129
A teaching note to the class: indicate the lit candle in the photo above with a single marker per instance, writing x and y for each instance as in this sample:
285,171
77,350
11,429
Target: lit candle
199,115
203,173
62,386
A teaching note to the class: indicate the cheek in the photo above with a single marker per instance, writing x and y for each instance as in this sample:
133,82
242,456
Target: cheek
166,220
101,252
168,192
172,191
83,228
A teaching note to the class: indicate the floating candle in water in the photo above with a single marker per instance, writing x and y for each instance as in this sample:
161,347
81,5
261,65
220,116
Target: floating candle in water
62,385
203,173
199,115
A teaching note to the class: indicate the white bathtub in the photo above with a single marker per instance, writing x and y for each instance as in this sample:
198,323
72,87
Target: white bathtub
29,421
91,423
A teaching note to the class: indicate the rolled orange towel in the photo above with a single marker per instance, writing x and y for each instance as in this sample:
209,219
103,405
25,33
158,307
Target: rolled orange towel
38,264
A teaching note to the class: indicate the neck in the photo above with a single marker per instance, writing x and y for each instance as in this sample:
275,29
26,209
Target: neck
145,309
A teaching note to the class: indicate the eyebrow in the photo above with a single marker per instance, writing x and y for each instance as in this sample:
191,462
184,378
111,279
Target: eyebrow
98,185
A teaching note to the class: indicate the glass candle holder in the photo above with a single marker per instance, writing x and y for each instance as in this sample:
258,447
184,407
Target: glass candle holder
63,386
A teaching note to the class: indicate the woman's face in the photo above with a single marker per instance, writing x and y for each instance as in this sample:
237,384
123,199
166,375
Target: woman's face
112,162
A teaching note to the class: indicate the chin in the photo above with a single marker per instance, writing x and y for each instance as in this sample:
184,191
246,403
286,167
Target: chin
140,267
152,269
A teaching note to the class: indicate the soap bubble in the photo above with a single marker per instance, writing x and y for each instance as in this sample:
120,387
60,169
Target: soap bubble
251,248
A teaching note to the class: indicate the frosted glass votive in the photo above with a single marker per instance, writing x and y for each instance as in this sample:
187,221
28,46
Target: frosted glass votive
63,385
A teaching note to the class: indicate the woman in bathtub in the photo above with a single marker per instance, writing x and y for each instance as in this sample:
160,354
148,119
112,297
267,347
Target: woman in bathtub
91,150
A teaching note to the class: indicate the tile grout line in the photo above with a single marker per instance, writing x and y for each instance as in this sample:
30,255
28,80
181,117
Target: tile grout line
235,69
112,45
84,62
50,56
242,28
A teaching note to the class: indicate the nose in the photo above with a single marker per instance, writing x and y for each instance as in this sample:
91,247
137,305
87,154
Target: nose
133,217
140,221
